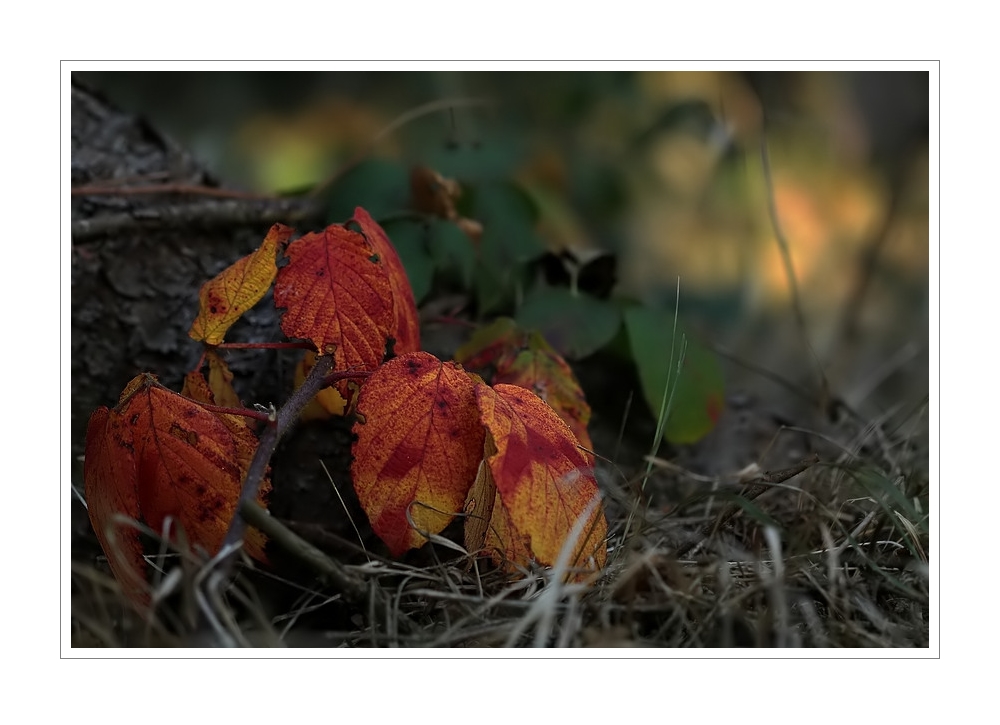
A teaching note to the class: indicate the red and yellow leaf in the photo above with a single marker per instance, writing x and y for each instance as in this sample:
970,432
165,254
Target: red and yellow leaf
109,475
187,464
336,292
492,347
220,381
236,289
544,483
158,455
520,357
419,443
406,329
197,388
539,368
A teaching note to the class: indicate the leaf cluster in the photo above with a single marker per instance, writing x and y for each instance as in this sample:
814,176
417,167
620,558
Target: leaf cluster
432,440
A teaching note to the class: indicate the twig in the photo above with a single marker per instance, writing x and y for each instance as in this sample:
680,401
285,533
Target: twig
353,588
183,189
279,422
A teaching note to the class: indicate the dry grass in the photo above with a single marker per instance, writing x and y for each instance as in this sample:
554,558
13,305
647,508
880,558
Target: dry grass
835,556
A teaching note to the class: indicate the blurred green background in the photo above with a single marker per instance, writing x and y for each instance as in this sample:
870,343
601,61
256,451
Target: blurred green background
660,170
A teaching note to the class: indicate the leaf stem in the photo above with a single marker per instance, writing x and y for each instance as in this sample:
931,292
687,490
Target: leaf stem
265,345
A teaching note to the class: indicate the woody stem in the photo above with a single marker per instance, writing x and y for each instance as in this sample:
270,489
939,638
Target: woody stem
278,422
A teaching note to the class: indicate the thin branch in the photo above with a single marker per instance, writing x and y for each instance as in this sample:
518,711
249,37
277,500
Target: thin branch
278,423
220,213
353,588
345,375
182,189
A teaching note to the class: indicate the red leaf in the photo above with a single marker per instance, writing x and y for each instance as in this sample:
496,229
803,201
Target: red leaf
407,321
544,482
419,443
109,475
520,357
158,455
336,292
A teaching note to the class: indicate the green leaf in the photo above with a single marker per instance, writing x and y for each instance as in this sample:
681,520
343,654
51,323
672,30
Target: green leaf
577,325
409,239
508,217
452,251
381,186
698,397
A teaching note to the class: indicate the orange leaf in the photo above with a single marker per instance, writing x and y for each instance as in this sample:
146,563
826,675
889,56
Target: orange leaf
197,388
158,454
419,443
236,289
220,380
407,326
187,464
109,476
519,357
336,292
544,482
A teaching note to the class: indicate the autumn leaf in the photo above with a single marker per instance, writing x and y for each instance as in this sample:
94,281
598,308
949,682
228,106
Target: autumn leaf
480,501
220,381
418,447
201,390
519,357
431,193
236,289
493,346
407,322
158,455
543,480
336,292
109,476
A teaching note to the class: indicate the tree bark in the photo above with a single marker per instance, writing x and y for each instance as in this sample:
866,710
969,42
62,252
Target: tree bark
138,262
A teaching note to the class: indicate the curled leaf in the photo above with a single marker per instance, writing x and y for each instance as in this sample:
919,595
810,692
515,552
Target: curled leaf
224,299
419,443
336,292
544,482
220,381
480,501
